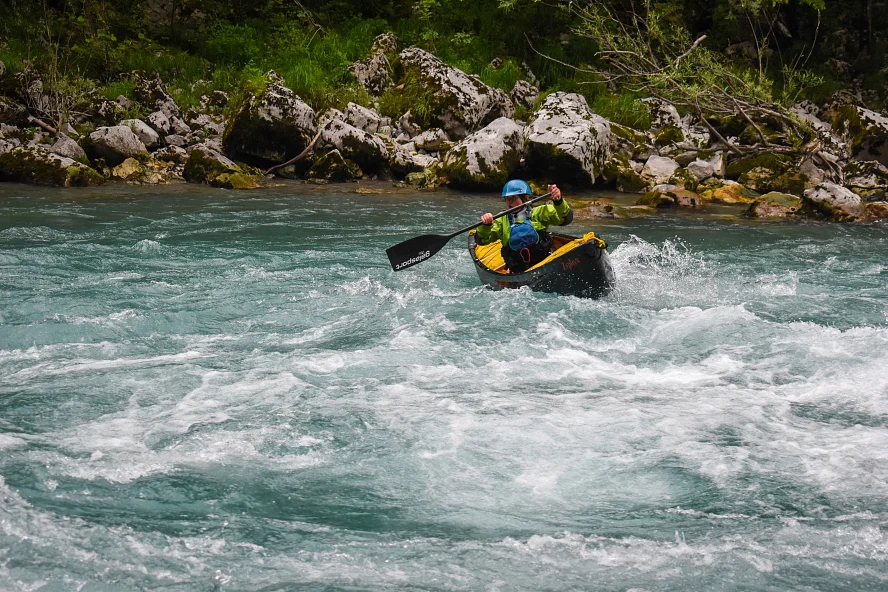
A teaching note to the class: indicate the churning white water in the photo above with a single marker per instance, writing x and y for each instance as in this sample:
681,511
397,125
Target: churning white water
210,391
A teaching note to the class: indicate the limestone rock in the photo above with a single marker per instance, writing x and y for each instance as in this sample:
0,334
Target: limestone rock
865,132
143,131
373,73
270,127
458,103
384,43
41,167
701,169
365,149
565,140
362,118
487,158
659,169
210,167
65,146
160,122
430,140
835,202
115,144
774,205
333,167
524,94
730,192
403,162
150,92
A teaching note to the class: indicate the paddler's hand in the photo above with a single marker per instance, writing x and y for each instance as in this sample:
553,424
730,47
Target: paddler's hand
487,219
556,193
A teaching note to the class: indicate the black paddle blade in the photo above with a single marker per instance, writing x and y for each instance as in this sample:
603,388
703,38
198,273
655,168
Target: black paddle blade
416,250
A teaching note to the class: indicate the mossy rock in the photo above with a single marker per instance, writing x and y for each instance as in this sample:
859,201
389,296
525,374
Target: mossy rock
332,166
668,135
872,194
877,210
201,168
237,181
427,179
596,210
775,205
684,178
778,163
27,165
792,182
656,199
627,133
731,194
750,135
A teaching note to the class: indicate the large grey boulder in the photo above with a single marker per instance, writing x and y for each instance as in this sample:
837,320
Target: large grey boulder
834,201
65,146
354,144
41,167
487,158
115,144
270,127
565,140
458,103
143,131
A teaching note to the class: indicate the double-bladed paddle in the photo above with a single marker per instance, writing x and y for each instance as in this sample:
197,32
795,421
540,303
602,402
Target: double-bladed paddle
419,248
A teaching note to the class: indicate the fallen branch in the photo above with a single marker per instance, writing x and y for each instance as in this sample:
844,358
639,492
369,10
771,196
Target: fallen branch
45,126
299,156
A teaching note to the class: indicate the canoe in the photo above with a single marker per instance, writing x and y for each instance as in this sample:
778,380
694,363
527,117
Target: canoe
579,266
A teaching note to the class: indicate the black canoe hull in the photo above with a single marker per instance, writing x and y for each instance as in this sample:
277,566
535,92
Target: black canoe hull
584,271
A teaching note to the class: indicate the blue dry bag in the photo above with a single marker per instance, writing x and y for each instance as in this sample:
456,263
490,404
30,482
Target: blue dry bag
522,234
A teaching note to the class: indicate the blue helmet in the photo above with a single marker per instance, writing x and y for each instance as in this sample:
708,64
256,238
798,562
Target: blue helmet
516,187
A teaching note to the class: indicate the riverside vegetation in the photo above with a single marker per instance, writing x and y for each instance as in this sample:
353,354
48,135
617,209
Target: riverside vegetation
775,104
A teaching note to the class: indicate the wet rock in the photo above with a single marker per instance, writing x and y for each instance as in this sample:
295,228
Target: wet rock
210,167
565,140
774,205
333,167
270,127
877,210
143,131
354,144
486,159
65,146
41,167
458,103
115,144
672,198
620,172
835,202
729,192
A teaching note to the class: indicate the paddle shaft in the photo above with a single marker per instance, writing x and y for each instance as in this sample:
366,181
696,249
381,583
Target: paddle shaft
503,213
419,248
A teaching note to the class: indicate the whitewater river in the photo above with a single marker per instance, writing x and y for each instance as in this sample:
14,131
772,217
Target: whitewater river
211,390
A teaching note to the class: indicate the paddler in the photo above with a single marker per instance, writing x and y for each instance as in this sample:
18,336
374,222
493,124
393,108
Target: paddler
524,234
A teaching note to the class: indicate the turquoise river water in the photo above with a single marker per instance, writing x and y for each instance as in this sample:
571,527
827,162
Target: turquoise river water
211,390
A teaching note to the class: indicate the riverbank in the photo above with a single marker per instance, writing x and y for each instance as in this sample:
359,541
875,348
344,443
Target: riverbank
811,161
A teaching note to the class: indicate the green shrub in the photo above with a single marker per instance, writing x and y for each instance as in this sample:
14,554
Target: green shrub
504,77
233,44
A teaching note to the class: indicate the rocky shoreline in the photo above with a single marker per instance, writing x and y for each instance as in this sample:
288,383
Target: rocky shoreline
463,134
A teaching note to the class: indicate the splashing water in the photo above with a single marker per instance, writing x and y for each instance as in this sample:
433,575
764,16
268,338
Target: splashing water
209,391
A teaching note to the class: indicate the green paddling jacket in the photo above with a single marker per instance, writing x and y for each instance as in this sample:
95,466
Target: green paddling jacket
542,217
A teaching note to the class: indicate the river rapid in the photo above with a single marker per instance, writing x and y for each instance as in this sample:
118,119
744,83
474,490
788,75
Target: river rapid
212,390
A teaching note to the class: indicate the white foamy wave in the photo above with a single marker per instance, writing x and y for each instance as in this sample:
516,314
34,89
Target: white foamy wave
148,246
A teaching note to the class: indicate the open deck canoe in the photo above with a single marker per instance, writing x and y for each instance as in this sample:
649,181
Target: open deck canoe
579,266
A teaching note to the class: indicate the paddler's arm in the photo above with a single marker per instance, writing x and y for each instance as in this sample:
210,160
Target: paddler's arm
557,213
489,231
